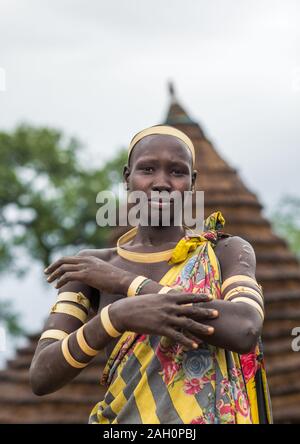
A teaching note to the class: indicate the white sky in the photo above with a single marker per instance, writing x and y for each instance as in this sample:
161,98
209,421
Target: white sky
98,70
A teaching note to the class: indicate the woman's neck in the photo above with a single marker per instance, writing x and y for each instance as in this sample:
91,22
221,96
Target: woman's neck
158,236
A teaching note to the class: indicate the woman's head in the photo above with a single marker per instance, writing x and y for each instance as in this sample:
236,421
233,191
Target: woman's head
161,160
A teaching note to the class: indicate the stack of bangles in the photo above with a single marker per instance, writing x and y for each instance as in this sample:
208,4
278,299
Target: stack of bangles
80,312
72,304
108,327
76,305
243,292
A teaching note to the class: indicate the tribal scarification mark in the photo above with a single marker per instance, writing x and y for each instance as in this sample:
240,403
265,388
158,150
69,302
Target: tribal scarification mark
243,256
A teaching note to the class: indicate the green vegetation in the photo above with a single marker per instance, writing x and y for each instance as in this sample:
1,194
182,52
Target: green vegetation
47,200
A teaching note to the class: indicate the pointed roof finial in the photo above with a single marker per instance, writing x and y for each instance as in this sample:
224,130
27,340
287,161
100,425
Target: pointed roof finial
171,91
176,114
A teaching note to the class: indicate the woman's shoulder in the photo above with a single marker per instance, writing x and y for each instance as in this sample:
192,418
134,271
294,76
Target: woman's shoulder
236,256
232,243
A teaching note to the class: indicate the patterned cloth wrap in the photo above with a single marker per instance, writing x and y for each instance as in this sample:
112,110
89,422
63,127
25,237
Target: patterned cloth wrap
152,380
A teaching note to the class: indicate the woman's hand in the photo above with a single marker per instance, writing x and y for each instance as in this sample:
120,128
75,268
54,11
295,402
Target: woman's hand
167,315
91,271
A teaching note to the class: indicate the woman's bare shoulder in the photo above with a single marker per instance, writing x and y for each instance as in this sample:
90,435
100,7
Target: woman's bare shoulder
236,256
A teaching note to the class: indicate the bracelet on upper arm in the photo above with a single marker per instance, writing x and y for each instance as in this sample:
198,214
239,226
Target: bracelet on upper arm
246,295
69,309
78,298
64,305
242,289
238,278
53,334
249,301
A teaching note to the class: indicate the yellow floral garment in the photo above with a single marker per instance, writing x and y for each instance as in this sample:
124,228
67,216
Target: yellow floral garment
152,380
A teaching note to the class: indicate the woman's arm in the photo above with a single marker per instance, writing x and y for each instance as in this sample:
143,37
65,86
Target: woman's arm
149,314
49,370
237,327
239,324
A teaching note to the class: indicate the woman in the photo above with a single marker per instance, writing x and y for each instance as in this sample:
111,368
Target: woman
185,348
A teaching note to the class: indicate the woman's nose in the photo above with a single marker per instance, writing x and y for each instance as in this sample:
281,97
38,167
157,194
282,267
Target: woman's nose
161,183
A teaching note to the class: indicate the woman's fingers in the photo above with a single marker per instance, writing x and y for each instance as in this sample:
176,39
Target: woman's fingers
180,338
187,298
193,338
192,326
61,270
197,312
61,261
68,277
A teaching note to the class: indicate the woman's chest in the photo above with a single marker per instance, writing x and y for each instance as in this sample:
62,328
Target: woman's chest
153,271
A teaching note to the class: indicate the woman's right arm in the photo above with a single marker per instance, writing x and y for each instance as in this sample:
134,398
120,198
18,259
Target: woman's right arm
49,370
158,314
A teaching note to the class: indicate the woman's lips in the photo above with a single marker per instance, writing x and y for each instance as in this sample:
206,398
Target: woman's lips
159,203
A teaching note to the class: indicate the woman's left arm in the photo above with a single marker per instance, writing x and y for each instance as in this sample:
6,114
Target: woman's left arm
240,320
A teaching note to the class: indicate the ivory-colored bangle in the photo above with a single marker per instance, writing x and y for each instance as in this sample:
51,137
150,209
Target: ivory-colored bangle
250,302
70,296
240,290
248,295
53,334
135,284
83,344
165,290
237,278
69,309
68,357
141,286
106,322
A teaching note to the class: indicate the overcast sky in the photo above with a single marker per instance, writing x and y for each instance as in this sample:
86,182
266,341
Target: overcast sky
98,70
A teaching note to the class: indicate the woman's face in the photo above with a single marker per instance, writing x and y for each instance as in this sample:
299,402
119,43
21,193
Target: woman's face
160,163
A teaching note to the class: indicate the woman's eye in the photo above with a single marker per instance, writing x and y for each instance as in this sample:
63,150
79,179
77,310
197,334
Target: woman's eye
177,172
147,169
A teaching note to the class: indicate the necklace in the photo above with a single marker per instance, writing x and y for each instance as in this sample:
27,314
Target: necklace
145,258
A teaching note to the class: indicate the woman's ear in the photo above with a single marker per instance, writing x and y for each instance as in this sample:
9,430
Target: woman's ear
126,174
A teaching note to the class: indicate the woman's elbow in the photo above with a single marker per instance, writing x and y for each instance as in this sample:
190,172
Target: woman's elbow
37,380
38,389
249,338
